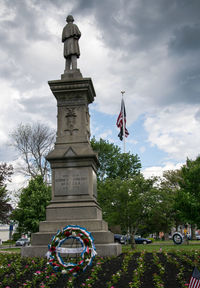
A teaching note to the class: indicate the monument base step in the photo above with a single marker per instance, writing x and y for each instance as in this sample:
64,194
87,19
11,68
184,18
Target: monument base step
44,238
88,224
103,250
73,211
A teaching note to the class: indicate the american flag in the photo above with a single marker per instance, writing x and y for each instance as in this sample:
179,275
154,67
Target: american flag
195,279
120,121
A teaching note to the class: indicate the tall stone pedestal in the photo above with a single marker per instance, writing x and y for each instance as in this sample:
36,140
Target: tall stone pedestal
74,165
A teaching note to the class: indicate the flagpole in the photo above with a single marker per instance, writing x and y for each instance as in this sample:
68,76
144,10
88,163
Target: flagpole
124,142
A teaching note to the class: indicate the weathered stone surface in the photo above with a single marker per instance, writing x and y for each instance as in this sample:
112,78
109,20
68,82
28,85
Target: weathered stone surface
102,250
73,213
88,224
73,181
42,238
71,75
111,249
74,166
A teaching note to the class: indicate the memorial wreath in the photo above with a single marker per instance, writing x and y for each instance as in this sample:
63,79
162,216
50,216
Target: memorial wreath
87,250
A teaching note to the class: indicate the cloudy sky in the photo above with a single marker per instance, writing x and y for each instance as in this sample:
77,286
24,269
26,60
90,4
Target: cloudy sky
148,48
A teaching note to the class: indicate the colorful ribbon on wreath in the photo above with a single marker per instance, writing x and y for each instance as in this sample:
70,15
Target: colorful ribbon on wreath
87,250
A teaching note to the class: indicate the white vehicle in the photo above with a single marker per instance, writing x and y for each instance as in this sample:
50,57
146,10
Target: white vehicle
177,238
22,242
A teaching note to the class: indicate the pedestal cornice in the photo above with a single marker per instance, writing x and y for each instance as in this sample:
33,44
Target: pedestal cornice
67,88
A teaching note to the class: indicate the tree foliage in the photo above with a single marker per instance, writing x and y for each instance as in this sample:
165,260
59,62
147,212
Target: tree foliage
147,205
32,205
33,143
170,186
188,196
5,207
184,186
128,203
161,216
113,163
126,197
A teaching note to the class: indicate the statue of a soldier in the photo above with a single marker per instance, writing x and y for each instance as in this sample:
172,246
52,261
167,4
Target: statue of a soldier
70,37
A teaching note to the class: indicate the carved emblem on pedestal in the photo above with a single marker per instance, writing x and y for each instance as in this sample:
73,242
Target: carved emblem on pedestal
71,120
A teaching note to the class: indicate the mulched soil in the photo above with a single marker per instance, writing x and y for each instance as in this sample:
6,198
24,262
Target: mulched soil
114,265
147,280
128,276
171,272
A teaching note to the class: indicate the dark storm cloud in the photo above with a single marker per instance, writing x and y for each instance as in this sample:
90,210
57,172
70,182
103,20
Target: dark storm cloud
17,35
130,26
186,39
140,24
133,26
146,26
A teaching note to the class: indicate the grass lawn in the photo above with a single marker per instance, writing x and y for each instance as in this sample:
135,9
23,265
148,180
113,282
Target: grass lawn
165,247
14,250
8,243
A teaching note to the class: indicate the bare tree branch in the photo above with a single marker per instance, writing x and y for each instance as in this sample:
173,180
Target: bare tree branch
33,142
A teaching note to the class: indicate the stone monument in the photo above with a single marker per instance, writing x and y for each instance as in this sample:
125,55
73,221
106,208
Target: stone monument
73,162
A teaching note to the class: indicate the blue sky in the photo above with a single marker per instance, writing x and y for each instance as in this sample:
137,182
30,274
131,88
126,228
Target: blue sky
149,49
136,143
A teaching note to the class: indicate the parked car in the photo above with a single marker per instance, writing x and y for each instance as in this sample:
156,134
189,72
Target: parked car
120,238
197,236
138,240
125,239
22,242
141,240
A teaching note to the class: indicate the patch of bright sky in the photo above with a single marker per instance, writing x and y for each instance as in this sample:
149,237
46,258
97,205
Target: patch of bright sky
104,126
149,155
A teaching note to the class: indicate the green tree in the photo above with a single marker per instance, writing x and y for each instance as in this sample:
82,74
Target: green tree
126,197
113,163
171,185
127,202
5,207
188,197
161,216
32,205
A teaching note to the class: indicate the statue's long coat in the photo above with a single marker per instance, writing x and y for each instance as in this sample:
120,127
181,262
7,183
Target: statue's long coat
70,37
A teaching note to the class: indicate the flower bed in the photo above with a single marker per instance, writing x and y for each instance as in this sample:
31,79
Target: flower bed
131,269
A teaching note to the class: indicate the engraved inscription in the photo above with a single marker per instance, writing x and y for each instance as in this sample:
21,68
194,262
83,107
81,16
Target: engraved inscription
71,182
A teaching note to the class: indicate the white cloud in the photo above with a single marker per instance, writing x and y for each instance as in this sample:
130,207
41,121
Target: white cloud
142,149
10,109
157,171
18,181
105,134
175,130
131,141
